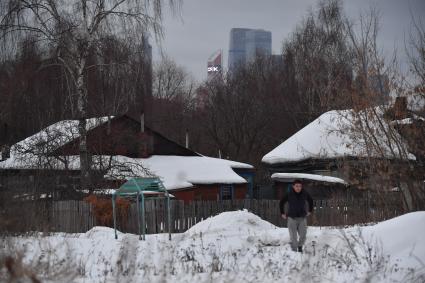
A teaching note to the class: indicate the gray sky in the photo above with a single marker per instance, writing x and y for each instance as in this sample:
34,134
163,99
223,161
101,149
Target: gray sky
204,25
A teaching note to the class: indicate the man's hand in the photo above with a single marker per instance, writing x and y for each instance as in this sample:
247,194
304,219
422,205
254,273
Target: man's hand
284,216
308,214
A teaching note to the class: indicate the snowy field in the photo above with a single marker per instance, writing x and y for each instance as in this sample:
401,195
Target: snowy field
231,247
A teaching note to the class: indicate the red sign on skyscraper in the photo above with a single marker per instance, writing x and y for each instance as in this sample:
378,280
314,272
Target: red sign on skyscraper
214,66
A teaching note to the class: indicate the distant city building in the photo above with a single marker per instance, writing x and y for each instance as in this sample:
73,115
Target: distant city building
237,47
258,42
215,65
246,44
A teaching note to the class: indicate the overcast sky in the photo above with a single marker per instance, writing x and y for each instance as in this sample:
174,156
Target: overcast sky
204,25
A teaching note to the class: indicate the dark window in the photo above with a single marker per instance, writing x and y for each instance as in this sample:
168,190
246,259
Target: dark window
226,192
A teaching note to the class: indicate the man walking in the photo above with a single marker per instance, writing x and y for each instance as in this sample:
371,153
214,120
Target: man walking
297,200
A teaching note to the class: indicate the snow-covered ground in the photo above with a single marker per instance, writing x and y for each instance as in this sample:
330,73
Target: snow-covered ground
231,247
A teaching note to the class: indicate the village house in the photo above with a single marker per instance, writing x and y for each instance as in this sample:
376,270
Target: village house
336,159
47,163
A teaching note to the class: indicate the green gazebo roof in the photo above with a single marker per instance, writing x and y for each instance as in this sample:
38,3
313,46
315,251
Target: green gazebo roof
139,185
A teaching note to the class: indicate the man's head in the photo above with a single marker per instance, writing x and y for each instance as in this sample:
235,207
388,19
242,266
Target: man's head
297,185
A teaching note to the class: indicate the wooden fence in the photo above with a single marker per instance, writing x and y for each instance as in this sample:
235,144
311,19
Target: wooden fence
79,216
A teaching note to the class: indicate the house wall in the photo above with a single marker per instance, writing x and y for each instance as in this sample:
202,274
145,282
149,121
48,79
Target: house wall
240,191
209,192
317,190
26,182
361,174
280,189
187,194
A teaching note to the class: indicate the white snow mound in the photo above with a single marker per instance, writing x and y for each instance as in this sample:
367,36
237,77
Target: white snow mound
238,247
231,222
101,233
401,236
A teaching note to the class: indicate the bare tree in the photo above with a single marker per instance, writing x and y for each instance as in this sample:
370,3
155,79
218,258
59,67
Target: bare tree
375,124
173,99
245,114
171,81
81,25
416,53
320,60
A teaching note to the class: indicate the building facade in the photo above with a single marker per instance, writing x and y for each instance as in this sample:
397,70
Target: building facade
246,44
215,66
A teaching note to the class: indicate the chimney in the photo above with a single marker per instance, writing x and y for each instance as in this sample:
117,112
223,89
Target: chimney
400,108
187,138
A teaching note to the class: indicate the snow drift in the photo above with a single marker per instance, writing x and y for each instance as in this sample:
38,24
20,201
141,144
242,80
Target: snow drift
231,247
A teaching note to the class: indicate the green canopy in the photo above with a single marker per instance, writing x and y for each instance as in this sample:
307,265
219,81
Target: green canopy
138,187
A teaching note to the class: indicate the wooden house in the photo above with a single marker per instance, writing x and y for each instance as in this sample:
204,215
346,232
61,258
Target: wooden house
120,148
328,147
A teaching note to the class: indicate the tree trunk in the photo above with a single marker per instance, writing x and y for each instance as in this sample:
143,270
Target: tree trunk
84,155
85,163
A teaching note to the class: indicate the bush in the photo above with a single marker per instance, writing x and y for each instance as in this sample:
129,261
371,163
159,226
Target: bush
103,210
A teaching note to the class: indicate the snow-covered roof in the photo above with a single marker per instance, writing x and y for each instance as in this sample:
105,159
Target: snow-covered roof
33,151
408,121
177,172
332,136
111,191
290,177
59,133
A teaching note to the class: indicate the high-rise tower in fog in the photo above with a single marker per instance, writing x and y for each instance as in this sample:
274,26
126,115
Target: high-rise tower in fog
246,44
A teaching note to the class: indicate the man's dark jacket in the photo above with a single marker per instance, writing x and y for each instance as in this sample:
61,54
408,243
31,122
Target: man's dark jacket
296,203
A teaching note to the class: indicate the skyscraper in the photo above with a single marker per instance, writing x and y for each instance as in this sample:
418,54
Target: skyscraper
246,44
214,65
237,47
